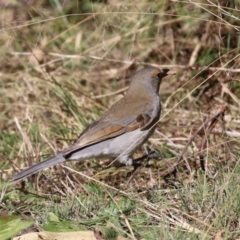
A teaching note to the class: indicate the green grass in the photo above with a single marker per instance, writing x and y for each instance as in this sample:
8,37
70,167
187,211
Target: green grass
46,103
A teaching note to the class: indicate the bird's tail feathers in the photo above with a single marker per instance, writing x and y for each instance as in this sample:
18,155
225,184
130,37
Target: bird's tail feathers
59,158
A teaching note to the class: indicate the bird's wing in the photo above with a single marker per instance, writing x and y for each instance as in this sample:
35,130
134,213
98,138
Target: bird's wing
113,126
100,131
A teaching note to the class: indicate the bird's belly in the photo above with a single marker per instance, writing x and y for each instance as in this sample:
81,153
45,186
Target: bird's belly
127,143
119,148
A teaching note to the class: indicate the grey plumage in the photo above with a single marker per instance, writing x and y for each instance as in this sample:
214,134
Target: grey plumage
120,130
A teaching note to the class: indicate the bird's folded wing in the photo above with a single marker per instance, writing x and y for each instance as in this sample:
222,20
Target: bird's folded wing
102,130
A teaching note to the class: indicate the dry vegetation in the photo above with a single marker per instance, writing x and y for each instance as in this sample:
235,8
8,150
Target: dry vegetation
63,64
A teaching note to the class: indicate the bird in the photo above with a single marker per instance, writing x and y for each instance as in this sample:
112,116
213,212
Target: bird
120,131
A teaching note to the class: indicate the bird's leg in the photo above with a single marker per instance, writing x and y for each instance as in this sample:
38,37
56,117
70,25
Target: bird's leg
149,155
140,161
155,154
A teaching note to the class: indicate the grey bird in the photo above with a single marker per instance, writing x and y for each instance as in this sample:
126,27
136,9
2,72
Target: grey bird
121,130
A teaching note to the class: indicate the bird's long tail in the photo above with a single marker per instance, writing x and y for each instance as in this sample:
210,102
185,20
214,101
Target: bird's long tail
59,158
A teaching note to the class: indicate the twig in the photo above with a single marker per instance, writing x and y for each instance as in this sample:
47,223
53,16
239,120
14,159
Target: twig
204,141
172,168
68,56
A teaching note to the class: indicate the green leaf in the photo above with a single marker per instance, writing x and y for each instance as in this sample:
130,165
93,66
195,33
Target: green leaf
63,226
53,217
11,225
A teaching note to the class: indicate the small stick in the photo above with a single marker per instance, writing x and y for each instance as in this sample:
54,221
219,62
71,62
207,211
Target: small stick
218,113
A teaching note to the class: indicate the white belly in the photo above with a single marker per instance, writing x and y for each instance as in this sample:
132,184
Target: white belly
119,148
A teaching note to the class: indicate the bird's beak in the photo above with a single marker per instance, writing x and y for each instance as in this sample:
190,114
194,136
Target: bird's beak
168,72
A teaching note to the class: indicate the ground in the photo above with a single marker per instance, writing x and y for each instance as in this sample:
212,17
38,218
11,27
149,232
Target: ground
64,63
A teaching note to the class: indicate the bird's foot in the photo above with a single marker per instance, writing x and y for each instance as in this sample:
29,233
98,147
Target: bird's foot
141,160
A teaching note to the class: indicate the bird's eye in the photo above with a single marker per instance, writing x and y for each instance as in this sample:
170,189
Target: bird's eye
163,73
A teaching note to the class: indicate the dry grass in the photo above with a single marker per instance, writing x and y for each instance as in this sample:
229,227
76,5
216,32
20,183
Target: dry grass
62,65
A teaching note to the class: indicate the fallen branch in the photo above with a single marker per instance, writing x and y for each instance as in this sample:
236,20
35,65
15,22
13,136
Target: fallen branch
212,120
